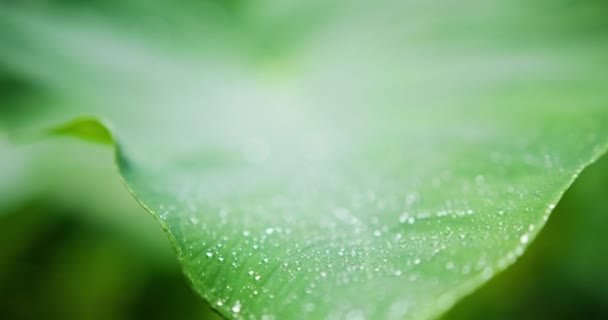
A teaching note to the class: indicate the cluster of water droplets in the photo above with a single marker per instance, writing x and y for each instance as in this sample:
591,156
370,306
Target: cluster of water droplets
255,250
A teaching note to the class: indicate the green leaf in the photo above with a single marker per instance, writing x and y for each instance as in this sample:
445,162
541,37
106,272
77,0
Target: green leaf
87,129
343,160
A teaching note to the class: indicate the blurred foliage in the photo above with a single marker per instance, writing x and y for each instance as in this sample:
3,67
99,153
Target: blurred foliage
58,266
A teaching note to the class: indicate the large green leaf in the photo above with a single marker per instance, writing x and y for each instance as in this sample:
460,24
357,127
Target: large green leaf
344,160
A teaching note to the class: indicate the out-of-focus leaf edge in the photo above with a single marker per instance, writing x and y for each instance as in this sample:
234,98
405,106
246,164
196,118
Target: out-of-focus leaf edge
97,130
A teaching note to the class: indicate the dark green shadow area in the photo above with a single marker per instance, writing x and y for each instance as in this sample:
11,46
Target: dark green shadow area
57,266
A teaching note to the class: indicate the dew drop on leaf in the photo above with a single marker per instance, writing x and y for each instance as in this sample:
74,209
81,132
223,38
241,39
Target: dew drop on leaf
236,308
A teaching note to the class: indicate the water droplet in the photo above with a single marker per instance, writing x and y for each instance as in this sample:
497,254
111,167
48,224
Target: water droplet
524,238
341,213
487,273
416,261
449,265
323,274
309,307
355,314
219,303
269,231
236,308
258,277
411,220
397,272
246,233
377,233
194,220
209,254
411,199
